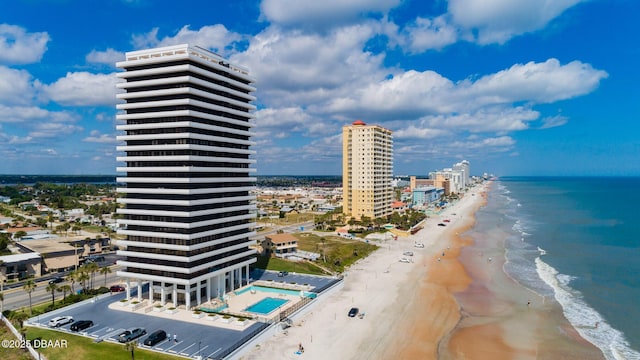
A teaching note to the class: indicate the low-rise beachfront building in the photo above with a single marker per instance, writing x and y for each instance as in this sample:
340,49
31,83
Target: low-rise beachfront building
188,213
19,266
280,244
423,196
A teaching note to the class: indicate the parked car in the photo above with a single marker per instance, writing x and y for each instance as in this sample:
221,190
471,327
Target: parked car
56,280
446,220
116,288
405,260
131,334
419,245
442,224
81,325
155,337
60,320
353,312
408,253
283,273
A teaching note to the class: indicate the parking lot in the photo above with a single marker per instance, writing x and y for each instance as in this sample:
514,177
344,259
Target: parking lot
192,339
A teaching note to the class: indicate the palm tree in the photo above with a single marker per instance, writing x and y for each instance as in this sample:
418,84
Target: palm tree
52,289
131,346
91,268
20,317
64,289
105,270
82,277
71,277
29,286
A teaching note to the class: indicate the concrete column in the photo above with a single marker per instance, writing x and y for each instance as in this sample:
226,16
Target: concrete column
163,294
187,297
232,280
209,290
139,290
174,298
248,274
150,292
128,283
198,289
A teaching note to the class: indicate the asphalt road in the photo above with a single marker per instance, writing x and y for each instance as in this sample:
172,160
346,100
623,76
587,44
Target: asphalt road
17,298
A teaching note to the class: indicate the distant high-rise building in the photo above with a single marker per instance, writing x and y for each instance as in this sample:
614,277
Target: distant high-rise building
463,166
367,170
188,212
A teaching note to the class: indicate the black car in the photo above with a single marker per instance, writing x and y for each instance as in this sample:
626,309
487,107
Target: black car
283,273
81,325
353,312
56,280
131,334
155,337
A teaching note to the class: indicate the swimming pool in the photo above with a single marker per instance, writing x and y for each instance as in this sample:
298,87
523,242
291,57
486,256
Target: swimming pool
275,291
266,305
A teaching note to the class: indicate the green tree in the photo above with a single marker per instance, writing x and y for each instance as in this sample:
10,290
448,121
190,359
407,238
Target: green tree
20,234
130,347
1,303
29,286
105,271
91,269
64,289
51,288
71,277
82,278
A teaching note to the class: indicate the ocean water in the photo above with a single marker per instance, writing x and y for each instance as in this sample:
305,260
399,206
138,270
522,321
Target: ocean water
576,240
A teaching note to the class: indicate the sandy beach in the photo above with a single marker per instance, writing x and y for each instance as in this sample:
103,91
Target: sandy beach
448,303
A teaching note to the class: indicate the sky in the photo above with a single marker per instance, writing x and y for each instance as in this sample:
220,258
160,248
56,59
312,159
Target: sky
516,87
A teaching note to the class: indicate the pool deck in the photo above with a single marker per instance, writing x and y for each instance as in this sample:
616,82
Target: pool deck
236,305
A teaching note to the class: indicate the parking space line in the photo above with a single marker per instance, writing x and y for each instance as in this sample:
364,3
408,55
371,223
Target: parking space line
182,351
210,355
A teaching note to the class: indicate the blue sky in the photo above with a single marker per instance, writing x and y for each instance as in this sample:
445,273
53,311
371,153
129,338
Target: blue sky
517,87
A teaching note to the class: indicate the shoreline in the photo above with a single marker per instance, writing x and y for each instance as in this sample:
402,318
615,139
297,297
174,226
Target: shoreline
446,304
390,293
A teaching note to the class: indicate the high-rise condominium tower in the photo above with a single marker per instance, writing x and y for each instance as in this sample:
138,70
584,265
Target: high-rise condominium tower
367,170
188,213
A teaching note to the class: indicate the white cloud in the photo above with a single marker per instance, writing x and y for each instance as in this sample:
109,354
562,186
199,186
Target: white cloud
415,132
16,87
554,121
497,21
214,37
54,130
414,94
314,14
109,57
299,68
426,34
83,89
17,46
96,137
538,82
17,114
502,143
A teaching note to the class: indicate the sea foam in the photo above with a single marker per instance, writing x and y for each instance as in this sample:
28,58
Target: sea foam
586,320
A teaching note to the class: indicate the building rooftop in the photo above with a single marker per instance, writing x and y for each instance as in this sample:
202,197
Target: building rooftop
46,246
281,238
9,259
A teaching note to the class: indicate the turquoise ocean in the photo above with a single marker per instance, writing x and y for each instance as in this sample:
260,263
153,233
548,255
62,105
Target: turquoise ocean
576,240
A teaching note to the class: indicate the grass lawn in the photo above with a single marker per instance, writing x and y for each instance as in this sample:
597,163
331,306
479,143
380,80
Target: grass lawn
339,253
8,353
276,264
82,348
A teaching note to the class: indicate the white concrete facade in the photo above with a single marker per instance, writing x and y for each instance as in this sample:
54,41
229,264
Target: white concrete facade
188,212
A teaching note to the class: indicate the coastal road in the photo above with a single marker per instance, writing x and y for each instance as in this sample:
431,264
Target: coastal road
18,298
